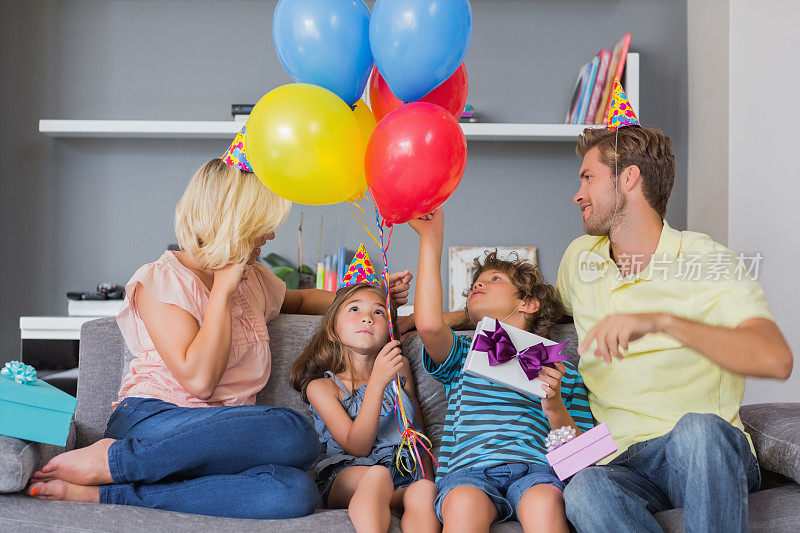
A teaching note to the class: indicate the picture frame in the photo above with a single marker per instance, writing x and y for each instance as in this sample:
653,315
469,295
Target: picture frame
461,267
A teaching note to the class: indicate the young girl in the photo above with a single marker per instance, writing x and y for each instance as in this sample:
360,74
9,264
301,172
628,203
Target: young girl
346,375
185,434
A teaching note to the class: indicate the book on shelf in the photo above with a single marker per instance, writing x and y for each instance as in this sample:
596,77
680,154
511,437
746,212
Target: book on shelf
592,89
93,307
615,71
587,90
600,81
576,94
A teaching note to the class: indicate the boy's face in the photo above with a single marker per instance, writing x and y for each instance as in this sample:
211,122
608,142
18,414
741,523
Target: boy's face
492,295
362,324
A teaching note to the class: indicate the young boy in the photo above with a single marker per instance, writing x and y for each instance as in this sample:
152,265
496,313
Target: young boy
492,460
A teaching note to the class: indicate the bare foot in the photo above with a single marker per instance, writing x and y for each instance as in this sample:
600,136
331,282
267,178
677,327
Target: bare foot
63,491
84,466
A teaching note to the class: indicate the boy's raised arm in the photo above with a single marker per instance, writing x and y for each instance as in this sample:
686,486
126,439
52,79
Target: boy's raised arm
428,313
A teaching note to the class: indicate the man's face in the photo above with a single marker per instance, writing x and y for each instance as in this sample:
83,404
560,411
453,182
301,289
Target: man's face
599,199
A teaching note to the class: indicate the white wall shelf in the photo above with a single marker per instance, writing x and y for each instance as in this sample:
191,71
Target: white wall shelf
226,129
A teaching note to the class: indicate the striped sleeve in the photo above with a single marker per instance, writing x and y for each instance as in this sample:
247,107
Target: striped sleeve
576,399
452,367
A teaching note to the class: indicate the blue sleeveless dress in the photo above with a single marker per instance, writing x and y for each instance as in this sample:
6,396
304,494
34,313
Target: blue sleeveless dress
384,451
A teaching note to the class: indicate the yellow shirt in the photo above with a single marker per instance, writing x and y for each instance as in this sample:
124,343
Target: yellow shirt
659,380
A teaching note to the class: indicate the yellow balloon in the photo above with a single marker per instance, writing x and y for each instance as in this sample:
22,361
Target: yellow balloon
367,123
305,144
365,119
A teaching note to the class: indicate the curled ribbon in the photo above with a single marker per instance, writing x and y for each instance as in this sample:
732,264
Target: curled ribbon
19,372
498,346
559,437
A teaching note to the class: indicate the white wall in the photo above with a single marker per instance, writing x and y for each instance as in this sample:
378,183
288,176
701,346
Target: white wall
764,186
708,29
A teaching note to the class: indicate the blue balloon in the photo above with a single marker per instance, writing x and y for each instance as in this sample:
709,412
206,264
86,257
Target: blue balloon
418,44
325,43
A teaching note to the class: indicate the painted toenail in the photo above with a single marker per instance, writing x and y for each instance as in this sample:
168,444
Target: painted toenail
34,492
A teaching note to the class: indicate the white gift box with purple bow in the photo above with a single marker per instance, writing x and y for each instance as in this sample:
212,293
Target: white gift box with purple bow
511,356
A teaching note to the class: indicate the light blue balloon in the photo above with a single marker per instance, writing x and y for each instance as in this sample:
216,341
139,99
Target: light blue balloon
418,44
325,43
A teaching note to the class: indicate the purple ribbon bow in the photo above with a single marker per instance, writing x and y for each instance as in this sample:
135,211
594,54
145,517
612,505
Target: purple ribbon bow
498,346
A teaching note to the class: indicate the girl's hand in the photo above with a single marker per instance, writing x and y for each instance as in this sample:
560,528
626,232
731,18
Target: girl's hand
227,279
552,387
388,363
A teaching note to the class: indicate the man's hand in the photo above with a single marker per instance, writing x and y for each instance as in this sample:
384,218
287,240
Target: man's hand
399,284
614,332
430,225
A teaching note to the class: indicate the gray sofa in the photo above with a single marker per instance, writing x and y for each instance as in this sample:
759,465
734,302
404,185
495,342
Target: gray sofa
104,359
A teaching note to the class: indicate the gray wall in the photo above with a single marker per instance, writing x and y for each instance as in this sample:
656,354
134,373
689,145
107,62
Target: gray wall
78,211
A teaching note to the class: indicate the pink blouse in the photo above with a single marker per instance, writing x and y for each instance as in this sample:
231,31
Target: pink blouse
257,301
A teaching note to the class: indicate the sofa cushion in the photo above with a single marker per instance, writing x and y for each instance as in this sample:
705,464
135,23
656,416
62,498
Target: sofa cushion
775,430
18,459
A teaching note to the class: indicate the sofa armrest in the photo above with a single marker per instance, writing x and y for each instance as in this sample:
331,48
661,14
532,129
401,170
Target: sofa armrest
18,459
775,430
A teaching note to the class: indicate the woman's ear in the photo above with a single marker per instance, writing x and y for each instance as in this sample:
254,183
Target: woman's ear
530,306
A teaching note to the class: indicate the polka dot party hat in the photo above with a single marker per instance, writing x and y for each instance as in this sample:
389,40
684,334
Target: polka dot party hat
620,112
360,270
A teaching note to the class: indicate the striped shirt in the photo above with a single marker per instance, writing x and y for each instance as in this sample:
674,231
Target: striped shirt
488,424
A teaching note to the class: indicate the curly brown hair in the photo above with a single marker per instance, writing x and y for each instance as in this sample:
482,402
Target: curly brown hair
530,283
325,351
647,148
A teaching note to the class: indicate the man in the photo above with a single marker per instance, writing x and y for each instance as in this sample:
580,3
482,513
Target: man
670,323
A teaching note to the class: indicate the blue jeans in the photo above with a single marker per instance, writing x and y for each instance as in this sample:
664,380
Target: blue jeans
503,484
239,462
703,465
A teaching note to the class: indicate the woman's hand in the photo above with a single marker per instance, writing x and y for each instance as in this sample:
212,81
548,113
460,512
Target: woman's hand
227,279
388,363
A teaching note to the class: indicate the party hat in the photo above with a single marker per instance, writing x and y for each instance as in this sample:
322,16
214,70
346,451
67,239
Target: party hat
620,112
235,155
360,270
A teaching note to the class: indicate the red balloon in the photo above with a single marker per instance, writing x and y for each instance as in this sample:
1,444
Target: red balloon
451,94
414,161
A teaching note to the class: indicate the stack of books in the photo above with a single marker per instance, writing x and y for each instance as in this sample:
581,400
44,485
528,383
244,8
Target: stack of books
590,96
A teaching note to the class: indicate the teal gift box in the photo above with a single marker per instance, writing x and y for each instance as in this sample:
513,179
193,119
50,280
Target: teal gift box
35,411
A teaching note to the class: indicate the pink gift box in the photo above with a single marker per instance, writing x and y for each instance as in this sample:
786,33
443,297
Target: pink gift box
582,451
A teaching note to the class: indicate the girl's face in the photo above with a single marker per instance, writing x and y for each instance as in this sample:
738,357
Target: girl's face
261,241
362,323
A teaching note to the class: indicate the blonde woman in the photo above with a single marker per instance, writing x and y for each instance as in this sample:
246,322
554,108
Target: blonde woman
185,434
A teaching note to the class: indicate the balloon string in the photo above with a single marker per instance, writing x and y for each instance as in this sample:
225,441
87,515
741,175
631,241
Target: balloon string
361,221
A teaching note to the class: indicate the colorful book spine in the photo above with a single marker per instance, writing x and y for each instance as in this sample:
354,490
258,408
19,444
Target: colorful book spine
587,91
573,118
599,84
616,70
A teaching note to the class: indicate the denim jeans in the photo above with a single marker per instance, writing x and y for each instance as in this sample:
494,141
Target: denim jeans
703,465
504,484
239,462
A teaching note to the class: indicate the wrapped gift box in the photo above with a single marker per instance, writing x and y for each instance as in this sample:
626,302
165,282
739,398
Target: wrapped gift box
35,411
582,451
509,373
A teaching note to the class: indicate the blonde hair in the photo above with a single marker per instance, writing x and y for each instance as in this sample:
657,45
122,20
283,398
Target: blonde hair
223,212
